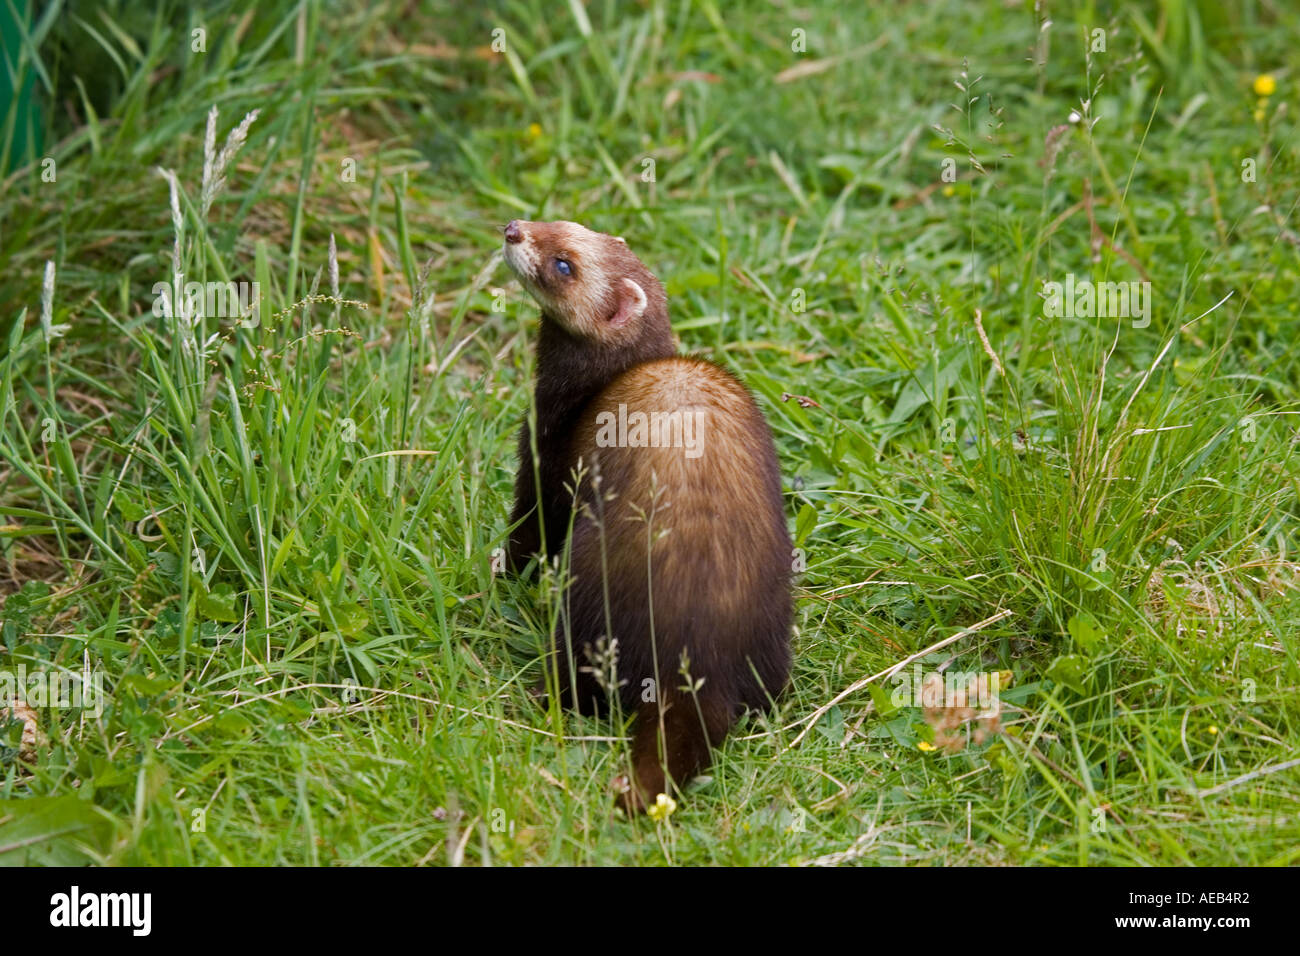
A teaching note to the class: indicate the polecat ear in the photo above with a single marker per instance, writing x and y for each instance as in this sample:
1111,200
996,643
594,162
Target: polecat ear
631,304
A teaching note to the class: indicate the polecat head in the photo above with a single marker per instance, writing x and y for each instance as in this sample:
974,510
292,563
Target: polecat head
589,283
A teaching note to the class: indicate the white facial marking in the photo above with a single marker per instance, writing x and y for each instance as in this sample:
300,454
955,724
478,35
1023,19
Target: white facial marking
522,256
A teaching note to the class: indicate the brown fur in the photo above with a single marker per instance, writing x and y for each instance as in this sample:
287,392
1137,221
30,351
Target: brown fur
684,560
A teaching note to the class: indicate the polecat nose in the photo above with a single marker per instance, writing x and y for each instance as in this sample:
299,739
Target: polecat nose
514,234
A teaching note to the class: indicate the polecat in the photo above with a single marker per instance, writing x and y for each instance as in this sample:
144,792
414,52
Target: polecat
679,551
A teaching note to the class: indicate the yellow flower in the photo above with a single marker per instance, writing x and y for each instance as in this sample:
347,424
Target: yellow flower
949,190
926,746
534,130
1213,729
663,808
1265,85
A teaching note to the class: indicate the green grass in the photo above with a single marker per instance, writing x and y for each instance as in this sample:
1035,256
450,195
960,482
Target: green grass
276,541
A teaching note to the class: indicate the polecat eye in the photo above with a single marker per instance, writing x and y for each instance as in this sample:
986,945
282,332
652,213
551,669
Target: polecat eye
563,267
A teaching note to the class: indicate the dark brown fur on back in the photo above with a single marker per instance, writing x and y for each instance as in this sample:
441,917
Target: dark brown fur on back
680,555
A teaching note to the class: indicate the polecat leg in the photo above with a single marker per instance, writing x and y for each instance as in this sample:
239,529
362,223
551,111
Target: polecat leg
693,724
578,690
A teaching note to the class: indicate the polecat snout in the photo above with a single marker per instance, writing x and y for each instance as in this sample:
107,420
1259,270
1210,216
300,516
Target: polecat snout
679,558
